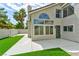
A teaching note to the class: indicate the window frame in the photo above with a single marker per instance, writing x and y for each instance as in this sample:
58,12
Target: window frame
68,11
37,21
44,16
49,33
65,12
71,9
39,31
58,13
65,28
70,28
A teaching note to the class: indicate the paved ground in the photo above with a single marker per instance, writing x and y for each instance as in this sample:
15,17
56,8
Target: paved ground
64,44
26,45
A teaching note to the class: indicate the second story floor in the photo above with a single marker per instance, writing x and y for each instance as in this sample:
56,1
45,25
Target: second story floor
51,12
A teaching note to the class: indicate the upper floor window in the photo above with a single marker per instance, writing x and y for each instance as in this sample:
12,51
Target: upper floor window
68,11
64,12
37,21
58,13
43,16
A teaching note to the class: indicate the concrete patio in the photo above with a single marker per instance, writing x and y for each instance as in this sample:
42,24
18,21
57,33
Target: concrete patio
27,45
67,45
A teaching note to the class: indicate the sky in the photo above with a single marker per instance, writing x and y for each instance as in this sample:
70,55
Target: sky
13,7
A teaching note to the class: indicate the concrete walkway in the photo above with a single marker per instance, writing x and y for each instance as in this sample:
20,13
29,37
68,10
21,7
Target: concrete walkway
22,46
26,45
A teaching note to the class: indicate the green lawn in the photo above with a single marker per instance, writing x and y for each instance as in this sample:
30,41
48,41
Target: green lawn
47,52
7,43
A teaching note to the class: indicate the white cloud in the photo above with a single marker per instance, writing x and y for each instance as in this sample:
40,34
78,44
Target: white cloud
39,1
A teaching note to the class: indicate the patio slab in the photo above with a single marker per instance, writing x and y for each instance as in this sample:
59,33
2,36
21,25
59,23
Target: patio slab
27,45
67,45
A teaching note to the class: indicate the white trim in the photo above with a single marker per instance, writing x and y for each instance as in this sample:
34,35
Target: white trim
67,28
44,29
41,9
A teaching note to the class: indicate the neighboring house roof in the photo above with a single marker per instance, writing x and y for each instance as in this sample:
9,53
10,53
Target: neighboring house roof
47,6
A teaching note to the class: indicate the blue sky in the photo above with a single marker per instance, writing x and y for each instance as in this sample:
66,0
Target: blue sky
12,7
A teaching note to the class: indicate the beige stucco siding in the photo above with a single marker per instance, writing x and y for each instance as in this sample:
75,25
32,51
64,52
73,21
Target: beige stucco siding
66,21
72,20
52,13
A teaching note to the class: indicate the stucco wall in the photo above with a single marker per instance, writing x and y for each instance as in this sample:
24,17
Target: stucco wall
10,32
52,13
72,20
7,32
22,31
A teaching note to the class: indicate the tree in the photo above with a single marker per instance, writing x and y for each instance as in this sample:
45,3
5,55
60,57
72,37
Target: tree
4,22
18,25
19,17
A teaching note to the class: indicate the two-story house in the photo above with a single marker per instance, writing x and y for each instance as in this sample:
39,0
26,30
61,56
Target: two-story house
54,21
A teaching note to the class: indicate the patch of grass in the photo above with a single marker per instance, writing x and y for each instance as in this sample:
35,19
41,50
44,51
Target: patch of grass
7,43
47,52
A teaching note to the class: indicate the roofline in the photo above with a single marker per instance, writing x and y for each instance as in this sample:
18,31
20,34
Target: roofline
64,5
41,7
45,7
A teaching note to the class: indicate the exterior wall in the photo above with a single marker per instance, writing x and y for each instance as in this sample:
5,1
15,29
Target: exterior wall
29,29
22,31
10,32
7,32
72,20
52,13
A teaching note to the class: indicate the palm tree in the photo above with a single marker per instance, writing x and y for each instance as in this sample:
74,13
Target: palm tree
19,17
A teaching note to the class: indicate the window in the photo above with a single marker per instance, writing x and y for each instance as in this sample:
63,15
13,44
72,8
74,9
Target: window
68,11
43,16
64,12
49,22
41,30
70,28
49,30
36,21
58,13
38,30
65,28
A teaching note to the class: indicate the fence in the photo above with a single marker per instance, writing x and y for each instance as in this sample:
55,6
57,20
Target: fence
10,32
